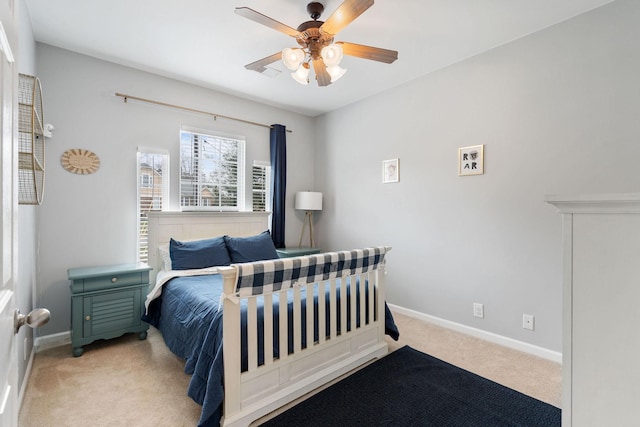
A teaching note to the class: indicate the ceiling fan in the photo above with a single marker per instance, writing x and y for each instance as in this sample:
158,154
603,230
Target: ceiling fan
317,47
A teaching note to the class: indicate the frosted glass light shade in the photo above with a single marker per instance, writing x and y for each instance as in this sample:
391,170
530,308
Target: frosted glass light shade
292,58
331,55
308,201
335,71
302,74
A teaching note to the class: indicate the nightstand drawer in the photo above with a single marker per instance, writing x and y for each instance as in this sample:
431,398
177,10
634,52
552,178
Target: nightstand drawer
106,282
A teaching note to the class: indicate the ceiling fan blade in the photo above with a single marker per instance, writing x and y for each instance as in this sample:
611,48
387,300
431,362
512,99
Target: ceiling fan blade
368,52
265,20
260,65
345,14
322,76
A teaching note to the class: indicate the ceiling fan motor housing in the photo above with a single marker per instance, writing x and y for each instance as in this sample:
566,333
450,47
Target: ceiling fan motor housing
314,39
315,9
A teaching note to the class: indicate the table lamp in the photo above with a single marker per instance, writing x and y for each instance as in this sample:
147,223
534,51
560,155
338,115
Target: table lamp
308,201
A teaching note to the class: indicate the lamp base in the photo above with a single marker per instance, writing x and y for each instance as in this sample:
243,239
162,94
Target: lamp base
309,215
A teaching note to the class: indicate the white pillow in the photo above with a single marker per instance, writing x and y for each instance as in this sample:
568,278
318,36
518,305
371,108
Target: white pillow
165,257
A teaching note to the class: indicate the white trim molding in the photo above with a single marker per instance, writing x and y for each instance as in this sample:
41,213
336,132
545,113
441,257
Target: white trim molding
50,341
544,353
25,380
596,203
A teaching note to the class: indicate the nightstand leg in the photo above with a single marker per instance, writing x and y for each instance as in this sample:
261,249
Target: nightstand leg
143,335
77,351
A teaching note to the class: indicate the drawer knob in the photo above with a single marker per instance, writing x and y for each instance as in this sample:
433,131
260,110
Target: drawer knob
87,318
114,279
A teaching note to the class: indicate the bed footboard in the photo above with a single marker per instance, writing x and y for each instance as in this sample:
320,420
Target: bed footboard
334,323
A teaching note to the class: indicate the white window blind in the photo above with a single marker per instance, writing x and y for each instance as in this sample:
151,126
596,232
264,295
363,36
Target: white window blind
153,192
261,186
211,172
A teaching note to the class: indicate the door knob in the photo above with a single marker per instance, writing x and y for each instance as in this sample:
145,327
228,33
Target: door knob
36,318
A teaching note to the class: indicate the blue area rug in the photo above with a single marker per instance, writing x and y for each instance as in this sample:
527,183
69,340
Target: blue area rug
411,388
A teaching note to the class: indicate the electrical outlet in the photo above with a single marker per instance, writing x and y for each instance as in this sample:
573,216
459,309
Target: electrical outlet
528,322
478,310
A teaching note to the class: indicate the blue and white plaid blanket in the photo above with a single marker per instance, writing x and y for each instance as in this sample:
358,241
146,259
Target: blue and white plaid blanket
268,276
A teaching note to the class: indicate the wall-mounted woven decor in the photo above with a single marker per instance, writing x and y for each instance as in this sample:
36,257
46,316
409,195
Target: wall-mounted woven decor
31,141
80,161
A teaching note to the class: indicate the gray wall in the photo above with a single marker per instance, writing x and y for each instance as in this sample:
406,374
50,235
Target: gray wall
557,112
91,219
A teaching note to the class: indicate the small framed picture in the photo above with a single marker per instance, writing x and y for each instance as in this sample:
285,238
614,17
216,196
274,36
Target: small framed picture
471,160
390,171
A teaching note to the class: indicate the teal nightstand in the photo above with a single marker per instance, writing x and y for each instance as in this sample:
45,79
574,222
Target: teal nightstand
107,302
293,252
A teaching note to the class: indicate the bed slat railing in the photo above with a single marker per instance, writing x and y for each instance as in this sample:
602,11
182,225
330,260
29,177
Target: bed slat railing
297,321
311,318
352,302
343,309
345,291
333,312
354,316
283,332
322,317
252,333
268,328
363,300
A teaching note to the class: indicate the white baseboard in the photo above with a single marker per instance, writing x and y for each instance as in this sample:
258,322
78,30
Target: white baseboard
53,340
25,379
544,353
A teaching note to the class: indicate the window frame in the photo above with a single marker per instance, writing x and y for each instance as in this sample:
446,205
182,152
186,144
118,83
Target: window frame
153,200
204,147
267,190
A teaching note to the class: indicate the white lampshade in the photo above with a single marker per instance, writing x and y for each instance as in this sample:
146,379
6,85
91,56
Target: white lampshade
308,201
292,58
302,74
335,72
331,55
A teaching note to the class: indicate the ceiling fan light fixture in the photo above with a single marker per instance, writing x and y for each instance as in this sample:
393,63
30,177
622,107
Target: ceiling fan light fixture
301,75
335,71
316,45
292,58
332,54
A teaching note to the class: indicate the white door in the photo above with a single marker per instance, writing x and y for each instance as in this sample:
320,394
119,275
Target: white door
8,230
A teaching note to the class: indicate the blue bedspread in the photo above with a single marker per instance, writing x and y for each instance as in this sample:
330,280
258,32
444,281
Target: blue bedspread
189,316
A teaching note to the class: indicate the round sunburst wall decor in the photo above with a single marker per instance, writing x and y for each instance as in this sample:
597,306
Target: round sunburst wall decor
80,161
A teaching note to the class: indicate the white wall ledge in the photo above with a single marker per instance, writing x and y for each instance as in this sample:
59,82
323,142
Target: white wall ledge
596,203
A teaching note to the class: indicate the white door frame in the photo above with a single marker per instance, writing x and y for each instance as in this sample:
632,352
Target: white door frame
9,226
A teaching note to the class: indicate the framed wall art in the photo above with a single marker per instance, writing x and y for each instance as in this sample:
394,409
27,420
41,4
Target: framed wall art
390,171
471,160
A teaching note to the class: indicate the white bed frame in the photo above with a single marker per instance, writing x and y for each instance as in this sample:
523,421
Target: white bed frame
262,389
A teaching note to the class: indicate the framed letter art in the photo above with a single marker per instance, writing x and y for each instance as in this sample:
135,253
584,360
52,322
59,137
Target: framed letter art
471,160
390,171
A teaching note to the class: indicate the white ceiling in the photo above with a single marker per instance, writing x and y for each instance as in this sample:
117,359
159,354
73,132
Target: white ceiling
204,42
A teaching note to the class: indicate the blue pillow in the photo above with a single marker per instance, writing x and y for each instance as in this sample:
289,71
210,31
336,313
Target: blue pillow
198,253
252,248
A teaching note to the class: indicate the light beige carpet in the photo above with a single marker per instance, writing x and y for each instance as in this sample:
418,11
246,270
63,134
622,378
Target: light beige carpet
128,382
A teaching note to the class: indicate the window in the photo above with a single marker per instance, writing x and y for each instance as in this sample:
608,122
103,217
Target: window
153,192
211,172
261,186
146,180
